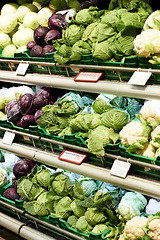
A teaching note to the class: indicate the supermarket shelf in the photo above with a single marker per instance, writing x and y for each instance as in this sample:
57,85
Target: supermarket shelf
102,86
135,183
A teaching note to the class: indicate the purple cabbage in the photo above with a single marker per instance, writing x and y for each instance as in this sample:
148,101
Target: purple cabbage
26,121
11,193
31,44
25,104
36,51
23,167
39,35
52,35
48,49
57,22
13,111
38,115
42,97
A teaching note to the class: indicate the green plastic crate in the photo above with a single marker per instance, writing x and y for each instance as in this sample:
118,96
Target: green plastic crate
141,169
34,68
92,236
143,63
58,70
54,220
131,62
51,146
123,153
4,124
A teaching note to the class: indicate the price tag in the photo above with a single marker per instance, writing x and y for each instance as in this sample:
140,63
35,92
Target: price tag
120,168
72,156
8,138
139,78
22,68
88,76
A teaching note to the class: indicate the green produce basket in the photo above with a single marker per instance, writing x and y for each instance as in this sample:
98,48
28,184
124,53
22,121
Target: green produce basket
34,68
58,70
51,146
4,124
92,236
143,170
130,62
123,153
54,220
143,63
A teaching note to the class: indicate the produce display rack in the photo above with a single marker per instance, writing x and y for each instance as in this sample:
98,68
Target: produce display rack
46,151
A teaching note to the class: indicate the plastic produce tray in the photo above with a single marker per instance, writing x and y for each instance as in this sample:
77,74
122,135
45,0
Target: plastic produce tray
130,62
146,171
8,66
4,124
51,146
143,63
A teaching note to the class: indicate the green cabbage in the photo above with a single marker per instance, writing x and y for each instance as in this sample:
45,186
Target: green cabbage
101,105
104,49
5,40
30,20
72,220
115,119
3,177
77,209
23,9
83,226
43,16
9,50
42,177
63,208
61,184
95,216
8,22
73,33
9,8
44,204
22,37
78,49
99,228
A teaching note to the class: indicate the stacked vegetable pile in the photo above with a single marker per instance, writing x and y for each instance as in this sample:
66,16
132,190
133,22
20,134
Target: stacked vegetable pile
85,204
18,22
106,34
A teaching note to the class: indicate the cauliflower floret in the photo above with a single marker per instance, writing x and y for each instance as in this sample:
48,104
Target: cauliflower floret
153,206
147,42
153,21
154,227
121,237
134,227
131,133
150,112
155,132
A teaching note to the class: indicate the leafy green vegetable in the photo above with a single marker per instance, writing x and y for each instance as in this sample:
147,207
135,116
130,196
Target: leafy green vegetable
44,204
61,184
42,177
77,209
103,50
101,105
99,228
72,34
83,225
115,119
72,220
63,208
78,49
95,216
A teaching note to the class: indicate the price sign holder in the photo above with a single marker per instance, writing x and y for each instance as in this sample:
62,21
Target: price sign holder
8,138
139,78
88,76
22,68
72,156
120,168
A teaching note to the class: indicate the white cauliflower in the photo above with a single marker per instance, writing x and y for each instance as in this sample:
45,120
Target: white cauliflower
134,228
131,132
147,43
154,227
155,137
150,112
153,21
153,206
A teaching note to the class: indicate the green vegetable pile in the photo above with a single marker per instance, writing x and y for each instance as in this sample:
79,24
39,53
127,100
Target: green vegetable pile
98,121
106,34
86,204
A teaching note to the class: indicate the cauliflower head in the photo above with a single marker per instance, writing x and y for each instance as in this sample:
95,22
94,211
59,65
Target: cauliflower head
148,151
154,227
147,43
150,113
134,228
135,136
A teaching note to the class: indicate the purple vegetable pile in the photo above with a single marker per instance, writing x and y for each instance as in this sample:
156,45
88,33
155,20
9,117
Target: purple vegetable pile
21,168
26,110
43,36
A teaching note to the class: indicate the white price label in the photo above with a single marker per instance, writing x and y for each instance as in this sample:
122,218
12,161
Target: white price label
72,156
139,78
88,76
22,68
8,138
120,168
